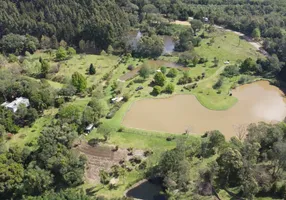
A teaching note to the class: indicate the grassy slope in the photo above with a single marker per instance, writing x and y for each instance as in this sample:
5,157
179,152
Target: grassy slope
28,135
226,47
80,63
145,139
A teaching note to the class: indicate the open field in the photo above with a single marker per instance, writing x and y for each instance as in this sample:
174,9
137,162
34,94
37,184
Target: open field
226,46
28,136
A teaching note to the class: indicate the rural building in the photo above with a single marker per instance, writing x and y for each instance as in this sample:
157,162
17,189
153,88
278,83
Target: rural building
116,99
206,19
14,105
89,128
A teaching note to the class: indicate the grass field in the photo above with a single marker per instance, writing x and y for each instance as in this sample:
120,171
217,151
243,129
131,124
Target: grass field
28,136
227,46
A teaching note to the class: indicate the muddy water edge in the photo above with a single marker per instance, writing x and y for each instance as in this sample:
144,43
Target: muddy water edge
257,102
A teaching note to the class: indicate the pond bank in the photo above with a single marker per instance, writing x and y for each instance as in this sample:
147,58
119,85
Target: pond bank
258,101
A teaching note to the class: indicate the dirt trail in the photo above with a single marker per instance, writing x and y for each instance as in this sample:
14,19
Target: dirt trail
256,45
217,72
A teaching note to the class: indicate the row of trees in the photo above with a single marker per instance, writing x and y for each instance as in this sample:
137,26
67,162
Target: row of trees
269,67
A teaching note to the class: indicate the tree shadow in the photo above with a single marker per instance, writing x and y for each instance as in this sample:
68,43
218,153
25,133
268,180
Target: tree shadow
233,195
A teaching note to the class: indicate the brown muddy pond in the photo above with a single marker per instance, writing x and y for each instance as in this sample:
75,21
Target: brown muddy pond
257,102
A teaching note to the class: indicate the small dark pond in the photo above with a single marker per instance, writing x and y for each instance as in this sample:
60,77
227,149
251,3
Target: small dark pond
169,43
146,191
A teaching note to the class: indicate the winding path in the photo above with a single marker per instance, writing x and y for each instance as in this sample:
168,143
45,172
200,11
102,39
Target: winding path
217,72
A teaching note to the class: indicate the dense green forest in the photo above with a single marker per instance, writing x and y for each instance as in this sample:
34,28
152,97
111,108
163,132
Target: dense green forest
49,167
102,23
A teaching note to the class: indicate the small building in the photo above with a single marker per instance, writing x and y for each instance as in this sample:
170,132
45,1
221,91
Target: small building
116,99
205,19
226,62
89,128
14,105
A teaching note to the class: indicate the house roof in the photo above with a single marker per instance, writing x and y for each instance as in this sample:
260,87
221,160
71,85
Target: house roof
16,103
117,99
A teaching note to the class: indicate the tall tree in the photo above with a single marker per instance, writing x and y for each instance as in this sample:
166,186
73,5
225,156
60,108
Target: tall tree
79,82
91,69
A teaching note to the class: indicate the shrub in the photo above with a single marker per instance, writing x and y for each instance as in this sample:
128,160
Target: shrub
130,67
170,88
91,69
157,90
71,51
12,58
145,71
244,79
218,84
59,102
163,69
172,73
61,53
143,165
159,79
185,79
103,53
203,60
104,178
230,71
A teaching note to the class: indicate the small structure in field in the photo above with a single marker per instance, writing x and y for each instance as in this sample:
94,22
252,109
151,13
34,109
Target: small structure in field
116,99
206,19
139,88
226,62
14,105
89,128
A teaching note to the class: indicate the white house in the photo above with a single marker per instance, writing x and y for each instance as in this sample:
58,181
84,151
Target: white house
14,105
116,99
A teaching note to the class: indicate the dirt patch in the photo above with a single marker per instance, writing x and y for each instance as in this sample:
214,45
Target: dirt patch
103,158
99,158
185,23
130,74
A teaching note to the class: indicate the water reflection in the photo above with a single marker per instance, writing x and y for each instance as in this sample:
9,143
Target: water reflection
169,43
146,191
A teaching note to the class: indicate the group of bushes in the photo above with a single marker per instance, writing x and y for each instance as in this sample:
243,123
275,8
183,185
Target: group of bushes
160,80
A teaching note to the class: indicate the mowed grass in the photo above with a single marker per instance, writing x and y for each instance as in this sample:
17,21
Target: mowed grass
227,47
77,63
81,63
29,135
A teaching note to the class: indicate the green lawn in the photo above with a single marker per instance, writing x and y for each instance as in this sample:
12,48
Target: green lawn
29,135
81,63
227,46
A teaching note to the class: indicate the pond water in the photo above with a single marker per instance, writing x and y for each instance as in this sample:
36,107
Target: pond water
146,191
257,102
169,43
